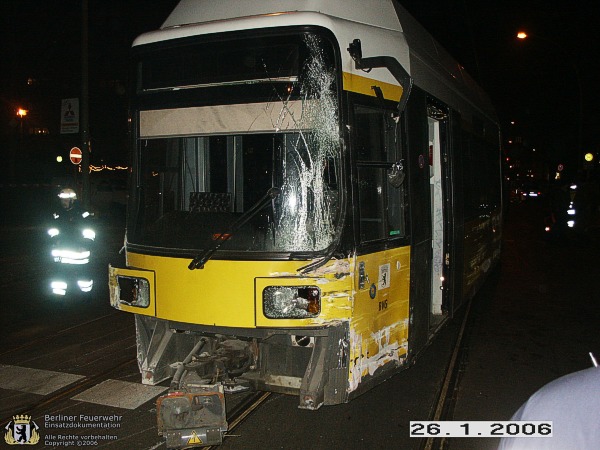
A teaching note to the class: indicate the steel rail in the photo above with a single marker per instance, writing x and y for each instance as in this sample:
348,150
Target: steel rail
243,411
45,338
442,410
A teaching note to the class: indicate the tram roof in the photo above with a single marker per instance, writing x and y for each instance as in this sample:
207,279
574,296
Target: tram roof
369,12
429,64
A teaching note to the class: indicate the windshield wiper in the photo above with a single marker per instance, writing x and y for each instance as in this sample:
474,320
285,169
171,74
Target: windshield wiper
199,261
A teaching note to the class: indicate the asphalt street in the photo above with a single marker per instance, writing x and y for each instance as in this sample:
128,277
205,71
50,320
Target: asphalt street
537,321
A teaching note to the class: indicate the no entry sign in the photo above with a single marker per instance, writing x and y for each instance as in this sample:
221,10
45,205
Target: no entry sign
75,155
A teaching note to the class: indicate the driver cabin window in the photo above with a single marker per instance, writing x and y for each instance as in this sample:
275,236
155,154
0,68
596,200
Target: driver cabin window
380,170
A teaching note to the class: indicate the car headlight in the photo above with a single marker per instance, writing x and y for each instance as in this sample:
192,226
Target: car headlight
291,302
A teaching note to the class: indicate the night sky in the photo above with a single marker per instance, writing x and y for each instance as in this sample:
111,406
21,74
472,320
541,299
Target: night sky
535,83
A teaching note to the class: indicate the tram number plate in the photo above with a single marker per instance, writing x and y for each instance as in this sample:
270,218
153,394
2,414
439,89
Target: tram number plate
480,428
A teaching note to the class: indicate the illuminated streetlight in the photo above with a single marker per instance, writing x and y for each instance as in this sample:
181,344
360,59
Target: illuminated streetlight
21,113
521,35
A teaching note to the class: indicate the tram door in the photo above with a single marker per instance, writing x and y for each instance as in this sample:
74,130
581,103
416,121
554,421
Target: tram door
436,122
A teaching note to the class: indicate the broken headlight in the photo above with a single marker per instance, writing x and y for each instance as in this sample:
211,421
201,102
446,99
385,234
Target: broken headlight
291,302
134,291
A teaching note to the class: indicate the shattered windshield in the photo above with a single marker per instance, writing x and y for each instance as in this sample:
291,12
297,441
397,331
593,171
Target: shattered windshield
204,162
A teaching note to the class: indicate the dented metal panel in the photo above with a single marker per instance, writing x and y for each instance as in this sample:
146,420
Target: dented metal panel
380,319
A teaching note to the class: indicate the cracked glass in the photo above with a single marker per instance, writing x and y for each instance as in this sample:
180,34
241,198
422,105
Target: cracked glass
245,115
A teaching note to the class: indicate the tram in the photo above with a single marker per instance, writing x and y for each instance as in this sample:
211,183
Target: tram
315,190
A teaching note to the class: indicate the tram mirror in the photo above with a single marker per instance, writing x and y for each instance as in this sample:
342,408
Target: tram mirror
396,174
355,50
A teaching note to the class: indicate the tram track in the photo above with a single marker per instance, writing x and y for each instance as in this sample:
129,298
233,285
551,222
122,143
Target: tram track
46,338
99,352
444,407
244,410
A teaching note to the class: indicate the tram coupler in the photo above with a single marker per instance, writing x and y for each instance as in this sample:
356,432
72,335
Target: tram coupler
192,418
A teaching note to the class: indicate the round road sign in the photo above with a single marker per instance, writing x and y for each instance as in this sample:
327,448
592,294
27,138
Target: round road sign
75,155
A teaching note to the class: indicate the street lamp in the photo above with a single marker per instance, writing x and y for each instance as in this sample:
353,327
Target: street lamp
21,113
522,35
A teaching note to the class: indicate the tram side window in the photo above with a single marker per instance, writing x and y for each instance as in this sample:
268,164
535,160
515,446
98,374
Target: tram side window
481,186
377,144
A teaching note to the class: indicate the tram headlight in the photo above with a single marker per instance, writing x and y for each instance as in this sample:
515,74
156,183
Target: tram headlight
134,291
291,302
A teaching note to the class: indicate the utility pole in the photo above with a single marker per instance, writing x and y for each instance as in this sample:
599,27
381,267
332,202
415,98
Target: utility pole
85,116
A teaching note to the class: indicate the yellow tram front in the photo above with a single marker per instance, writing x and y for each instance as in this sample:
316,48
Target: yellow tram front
237,174
241,262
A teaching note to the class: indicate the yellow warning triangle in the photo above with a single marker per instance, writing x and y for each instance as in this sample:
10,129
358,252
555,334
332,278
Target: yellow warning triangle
194,439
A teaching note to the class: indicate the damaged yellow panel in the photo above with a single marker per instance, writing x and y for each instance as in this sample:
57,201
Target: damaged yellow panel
229,293
379,327
117,302
336,301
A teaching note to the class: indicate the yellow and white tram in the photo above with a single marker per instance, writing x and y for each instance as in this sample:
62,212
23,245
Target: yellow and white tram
315,189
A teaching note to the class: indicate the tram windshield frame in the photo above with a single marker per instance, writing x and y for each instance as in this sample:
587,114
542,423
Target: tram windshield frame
208,145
